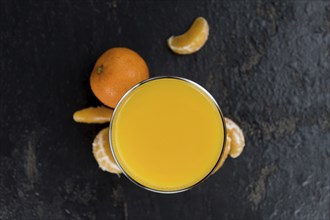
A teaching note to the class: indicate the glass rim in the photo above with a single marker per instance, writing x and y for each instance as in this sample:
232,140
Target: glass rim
116,110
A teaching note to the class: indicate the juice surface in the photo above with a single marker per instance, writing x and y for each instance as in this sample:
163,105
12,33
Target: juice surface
167,134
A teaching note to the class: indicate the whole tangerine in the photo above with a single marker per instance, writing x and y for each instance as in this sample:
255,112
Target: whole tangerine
115,72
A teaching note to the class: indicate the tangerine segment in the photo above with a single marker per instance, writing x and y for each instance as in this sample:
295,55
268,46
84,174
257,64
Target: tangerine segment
192,40
115,72
237,138
102,153
235,142
97,115
224,155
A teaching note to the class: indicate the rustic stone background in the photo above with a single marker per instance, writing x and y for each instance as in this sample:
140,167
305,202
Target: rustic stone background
267,63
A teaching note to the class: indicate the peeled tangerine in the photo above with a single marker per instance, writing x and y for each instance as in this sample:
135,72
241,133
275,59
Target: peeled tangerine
235,142
192,40
102,152
97,115
237,138
224,155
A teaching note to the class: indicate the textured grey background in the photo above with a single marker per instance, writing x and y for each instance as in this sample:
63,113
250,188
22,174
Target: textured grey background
267,63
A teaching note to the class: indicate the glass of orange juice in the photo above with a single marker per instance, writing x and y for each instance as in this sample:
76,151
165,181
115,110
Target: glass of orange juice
167,134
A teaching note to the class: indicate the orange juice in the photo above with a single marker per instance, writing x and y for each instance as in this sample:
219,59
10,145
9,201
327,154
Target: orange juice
167,134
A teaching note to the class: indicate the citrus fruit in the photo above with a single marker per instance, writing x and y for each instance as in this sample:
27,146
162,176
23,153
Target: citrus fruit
192,40
237,138
115,72
102,152
224,155
234,142
99,115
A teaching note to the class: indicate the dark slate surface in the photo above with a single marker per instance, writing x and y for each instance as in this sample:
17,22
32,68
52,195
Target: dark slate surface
267,64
